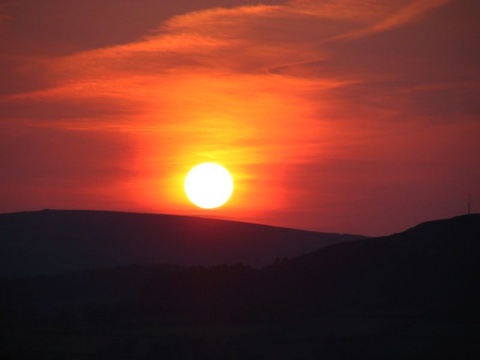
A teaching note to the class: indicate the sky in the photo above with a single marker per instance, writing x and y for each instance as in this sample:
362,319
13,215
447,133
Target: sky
339,116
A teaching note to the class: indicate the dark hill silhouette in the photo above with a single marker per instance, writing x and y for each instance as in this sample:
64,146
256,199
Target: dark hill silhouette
429,270
411,295
55,241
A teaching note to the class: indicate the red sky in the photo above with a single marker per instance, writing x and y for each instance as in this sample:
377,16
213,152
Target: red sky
341,116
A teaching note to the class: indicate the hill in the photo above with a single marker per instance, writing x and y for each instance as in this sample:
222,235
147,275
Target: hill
429,270
57,241
409,295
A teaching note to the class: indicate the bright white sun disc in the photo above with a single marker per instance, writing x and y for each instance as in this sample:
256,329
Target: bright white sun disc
208,185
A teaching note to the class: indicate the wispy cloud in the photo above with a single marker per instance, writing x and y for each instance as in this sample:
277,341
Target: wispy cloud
311,104
409,13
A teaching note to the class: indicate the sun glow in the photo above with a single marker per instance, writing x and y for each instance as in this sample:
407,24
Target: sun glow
208,185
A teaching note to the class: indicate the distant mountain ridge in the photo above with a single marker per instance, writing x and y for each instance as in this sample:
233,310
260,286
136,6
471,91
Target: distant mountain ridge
56,241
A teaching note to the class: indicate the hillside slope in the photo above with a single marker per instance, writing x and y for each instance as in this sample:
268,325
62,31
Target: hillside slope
430,270
55,241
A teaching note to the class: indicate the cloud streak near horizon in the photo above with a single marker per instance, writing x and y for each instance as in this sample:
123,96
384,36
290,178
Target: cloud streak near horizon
329,114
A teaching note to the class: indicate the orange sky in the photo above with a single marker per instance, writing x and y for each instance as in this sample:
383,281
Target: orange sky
339,116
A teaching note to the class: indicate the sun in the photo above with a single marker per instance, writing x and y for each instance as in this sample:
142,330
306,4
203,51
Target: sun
208,185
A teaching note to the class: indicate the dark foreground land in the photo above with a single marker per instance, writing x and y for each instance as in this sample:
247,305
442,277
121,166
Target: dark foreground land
412,295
